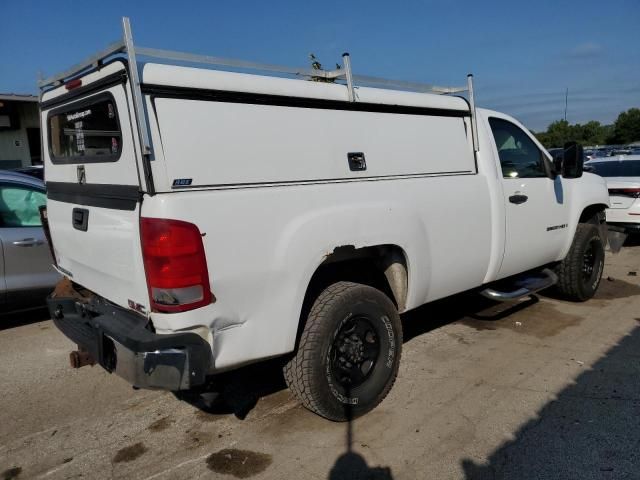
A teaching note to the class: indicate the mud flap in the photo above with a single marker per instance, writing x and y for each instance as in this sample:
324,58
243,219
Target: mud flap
616,237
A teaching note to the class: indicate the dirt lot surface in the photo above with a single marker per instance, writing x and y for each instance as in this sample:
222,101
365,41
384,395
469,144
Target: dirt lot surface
541,389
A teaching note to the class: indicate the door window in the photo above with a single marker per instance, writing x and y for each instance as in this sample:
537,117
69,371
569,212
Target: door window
19,206
519,156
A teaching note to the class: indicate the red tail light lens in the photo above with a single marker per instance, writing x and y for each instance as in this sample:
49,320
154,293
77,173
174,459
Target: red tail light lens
71,84
625,192
175,265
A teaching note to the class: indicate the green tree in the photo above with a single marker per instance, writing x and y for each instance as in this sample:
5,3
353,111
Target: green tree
593,133
561,131
626,128
557,134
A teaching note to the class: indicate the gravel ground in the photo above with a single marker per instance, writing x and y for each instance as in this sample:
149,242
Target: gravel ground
540,389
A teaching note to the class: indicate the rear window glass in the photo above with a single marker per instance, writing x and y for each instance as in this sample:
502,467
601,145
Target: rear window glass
86,131
624,168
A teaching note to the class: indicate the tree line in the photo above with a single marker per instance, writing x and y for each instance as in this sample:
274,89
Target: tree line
626,129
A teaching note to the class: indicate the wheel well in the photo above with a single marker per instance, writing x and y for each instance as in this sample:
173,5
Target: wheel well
382,266
590,214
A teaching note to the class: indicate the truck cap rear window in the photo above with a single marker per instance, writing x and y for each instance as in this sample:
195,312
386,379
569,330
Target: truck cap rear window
86,131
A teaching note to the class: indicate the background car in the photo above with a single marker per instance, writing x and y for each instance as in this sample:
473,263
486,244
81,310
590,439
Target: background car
622,174
26,272
34,171
556,153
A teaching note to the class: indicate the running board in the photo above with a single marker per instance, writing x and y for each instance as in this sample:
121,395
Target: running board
523,286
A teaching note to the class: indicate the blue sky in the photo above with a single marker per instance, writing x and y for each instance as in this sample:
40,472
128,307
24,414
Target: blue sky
523,54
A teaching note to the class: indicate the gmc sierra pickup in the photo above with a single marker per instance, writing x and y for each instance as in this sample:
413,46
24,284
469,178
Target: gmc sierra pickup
206,219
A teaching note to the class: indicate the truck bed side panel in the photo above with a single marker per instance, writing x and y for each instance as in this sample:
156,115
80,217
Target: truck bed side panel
272,192
263,245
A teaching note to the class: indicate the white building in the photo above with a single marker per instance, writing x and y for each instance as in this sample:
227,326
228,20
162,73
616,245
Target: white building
19,131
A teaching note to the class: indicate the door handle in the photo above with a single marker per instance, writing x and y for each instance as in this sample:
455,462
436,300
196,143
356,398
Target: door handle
80,219
518,198
28,242
356,161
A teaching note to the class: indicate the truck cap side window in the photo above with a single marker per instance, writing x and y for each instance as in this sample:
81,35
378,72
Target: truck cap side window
86,131
519,155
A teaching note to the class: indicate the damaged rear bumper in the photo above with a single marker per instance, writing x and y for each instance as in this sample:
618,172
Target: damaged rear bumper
122,343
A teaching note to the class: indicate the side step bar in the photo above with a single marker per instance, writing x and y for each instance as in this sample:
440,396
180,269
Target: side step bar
523,286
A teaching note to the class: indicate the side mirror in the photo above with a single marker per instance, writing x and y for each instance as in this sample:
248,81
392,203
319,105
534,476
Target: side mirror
557,162
573,161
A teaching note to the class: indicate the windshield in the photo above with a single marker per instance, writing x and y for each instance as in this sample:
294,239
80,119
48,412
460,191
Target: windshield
625,168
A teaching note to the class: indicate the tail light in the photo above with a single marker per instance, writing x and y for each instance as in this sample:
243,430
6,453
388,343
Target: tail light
625,192
175,265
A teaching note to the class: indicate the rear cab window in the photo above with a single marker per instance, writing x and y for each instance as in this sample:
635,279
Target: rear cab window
85,131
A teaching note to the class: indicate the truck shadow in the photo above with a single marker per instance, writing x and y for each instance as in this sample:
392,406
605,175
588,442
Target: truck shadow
590,430
464,307
238,392
23,317
632,240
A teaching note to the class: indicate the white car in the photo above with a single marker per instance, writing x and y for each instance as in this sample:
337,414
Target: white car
622,174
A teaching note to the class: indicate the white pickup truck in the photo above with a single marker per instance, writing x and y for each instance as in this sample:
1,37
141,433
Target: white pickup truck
207,219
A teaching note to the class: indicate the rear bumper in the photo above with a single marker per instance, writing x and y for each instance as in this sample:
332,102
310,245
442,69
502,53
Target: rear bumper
121,342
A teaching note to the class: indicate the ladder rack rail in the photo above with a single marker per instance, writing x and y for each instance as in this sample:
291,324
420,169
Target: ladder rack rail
125,47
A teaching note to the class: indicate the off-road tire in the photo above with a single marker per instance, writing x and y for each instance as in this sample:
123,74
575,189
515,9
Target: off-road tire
310,372
573,283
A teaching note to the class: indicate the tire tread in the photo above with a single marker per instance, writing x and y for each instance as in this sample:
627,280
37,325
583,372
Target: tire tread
570,269
298,371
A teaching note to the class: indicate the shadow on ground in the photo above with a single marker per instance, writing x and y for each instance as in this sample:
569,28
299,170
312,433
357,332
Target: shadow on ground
632,241
590,431
238,392
23,317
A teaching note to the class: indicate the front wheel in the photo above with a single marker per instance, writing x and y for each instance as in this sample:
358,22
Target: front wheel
580,272
349,352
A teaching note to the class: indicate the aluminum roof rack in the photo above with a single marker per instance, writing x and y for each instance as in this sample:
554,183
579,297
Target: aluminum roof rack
126,48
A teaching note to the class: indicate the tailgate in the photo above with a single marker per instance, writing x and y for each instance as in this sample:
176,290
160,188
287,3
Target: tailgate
93,187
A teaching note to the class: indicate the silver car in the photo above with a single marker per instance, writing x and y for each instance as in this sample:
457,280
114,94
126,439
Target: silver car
26,273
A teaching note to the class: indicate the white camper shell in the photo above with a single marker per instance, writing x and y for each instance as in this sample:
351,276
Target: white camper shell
206,219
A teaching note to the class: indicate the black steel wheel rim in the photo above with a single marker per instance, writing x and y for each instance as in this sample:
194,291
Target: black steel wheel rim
588,262
354,352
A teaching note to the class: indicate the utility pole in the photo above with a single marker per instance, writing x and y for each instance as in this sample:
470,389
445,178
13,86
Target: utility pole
566,100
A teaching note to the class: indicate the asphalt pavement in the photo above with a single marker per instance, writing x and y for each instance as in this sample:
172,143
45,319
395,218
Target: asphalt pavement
539,389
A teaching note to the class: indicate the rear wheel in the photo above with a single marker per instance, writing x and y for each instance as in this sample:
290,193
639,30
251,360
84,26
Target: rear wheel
580,272
349,352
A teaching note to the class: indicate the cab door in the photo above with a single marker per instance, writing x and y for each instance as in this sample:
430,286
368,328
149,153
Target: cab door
536,215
